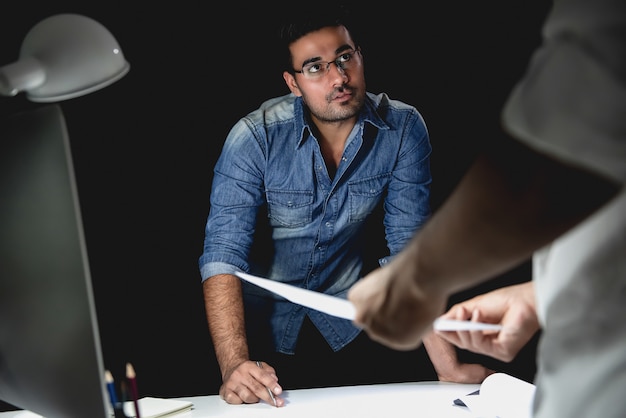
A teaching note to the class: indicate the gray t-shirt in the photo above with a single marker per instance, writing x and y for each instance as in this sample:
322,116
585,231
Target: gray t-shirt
571,105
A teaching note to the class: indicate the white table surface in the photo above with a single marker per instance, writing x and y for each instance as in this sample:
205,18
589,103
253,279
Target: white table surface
393,400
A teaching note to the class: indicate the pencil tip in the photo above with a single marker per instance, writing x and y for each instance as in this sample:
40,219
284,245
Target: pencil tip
130,371
108,377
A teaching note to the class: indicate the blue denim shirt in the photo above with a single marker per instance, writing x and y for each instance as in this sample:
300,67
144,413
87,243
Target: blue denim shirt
271,165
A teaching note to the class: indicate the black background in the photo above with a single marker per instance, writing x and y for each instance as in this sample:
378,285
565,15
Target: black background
144,147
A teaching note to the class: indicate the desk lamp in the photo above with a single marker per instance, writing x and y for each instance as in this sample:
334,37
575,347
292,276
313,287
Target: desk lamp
62,57
50,354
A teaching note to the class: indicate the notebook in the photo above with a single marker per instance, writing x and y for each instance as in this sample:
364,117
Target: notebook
157,407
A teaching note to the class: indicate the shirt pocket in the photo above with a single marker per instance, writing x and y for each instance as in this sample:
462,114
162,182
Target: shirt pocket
364,195
290,208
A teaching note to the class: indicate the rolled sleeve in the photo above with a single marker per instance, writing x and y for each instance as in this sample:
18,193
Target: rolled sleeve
236,196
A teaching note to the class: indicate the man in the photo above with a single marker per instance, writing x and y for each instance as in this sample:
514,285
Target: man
554,190
312,167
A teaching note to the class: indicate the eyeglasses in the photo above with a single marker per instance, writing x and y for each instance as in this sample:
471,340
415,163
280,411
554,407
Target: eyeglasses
318,69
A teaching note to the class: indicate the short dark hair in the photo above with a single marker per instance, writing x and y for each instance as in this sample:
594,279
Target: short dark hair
300,22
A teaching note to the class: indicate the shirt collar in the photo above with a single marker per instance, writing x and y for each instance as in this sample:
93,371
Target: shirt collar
369,114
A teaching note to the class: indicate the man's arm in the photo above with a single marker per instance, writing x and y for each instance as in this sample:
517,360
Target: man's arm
243,381
509,204
224,309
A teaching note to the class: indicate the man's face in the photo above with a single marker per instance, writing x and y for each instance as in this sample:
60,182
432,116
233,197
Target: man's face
332,83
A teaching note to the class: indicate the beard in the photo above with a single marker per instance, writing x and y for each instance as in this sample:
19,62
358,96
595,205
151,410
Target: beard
337,112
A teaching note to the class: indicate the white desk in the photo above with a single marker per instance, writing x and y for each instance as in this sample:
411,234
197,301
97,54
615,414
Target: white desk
394,400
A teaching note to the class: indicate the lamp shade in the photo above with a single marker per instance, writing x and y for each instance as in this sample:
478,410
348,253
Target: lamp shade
62,57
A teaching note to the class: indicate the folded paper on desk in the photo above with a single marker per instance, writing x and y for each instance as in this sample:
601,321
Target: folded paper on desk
502,396
157,407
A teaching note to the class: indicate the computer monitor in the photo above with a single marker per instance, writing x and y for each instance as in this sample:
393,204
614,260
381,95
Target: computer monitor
50,354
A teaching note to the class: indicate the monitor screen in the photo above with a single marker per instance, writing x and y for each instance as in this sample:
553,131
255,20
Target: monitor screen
50,355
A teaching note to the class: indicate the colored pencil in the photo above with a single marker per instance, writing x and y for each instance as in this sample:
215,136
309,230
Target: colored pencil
108,378
132,379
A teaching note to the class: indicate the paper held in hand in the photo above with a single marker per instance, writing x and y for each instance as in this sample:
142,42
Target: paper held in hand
331,305
343,308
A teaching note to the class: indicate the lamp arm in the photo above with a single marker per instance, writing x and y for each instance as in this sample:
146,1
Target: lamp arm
21,75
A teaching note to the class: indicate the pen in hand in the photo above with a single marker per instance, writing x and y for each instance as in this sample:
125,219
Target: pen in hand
258,363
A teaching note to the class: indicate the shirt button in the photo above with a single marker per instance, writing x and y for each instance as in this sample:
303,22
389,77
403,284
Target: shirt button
328,224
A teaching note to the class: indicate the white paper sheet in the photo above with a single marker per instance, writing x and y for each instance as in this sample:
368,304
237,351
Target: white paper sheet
343,308
502,396
442,324
319,301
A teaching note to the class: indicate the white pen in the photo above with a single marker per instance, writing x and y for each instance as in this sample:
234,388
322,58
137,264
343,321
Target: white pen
258,363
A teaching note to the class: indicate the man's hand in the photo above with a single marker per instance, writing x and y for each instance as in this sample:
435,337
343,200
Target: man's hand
513,307
446,363
250,382
392,307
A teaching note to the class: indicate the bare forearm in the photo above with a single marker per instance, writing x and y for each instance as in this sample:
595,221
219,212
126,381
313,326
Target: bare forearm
225,316
504,209
500,213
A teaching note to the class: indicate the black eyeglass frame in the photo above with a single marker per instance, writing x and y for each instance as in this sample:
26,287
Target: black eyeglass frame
336,61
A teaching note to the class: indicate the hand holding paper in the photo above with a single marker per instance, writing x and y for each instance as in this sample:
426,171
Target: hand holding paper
343,308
